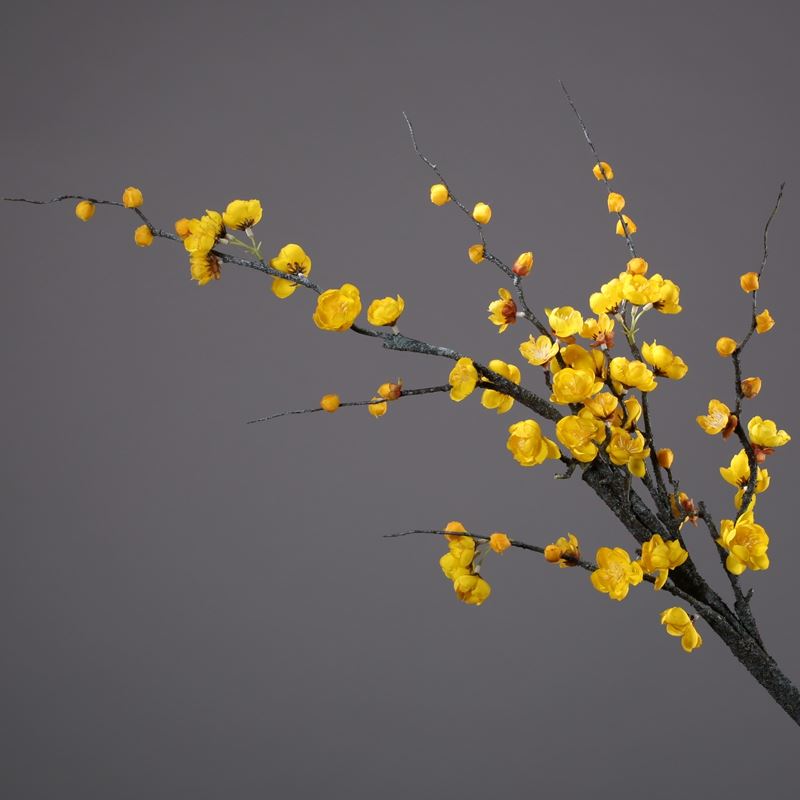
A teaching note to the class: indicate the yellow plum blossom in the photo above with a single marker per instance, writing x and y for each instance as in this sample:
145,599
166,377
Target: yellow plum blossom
638,289
528,445
132,197
665,294
471,589
84,211
608,299
628,415
717,418
602,406
499,542
385,311
475,253
615,573
628,449
205,267
749,282
329,403
602,171
679,623
439,194
143,236
764,322
337,309
616,202
378,409
565,551
665,362
463,378
574,385
459,556
581,434
626,223
746,543
503,312
600,331
452,529
524,264
725,346
538,351
240,215
632,373
637,266
765,433
738,475
204,233
565,321
497,400
482,213
292,260
660,557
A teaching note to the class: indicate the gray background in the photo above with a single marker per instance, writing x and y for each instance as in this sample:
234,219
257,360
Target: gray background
192,607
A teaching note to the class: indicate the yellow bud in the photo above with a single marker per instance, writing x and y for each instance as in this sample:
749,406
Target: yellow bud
143,236
764,321
84,210
182,227
616,202
725,345
751,387
390,391
475,253
132,197
637,266
749,282
603,171
329,403
439,194
630,225
378,409
552,553
524,264
499,542
665,457
482,213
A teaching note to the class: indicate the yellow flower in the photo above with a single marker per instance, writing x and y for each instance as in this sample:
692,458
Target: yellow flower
386,311
627,416
600,330
574,385
337,309
616,202
475,253
580,433
439,194
664,295
717,418
749,282
503,311
765,433
603,171
660,556
638,289
679,623
182,227
528,445
84,211
637,266
751,387
204,233
378,409
565,552
143,236
205,267
565,321
459,557
725,345
453,529
608,299
292,260
471,589
746,543
499,542
538,351
498,400
632,373
628,449
738,474
615,573
242,214
764,322
329,403
665,457
602,406
628,223
132,197
391,391
523,265
463,378
482,213
666,363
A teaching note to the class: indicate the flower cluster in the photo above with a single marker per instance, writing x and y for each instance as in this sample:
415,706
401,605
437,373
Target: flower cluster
460,565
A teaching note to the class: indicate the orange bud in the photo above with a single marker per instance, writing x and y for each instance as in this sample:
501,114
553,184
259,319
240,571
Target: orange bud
378,409
726,345
637,266
482,213
499,542
616,202
524,264
552,553
665,457
475,253
143,236
749,282
751,387
329,403
132,197
391,391
439,194
182,227
453,529
764,322
84,211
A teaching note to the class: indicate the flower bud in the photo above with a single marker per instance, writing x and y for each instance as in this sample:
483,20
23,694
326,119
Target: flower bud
329,403
390,391
482,213
524,264
751,387
764,322
603,171
629,224
439,194
132,197
665,457
637,266
475,253
499,542
616,202
552,553
182,227
84,210
726,345
749,282
143,236
378,409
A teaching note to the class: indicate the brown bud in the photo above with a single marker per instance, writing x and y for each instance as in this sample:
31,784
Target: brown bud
524,264
751,387
733,421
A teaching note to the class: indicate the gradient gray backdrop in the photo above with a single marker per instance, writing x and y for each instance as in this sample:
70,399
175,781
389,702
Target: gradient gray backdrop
196,608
